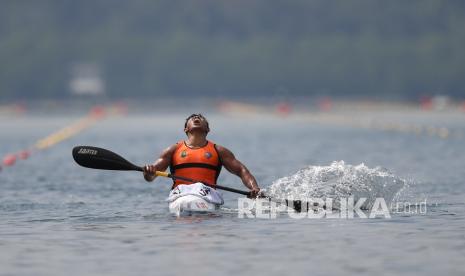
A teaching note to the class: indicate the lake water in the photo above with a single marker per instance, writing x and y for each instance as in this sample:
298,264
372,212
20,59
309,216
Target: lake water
58,218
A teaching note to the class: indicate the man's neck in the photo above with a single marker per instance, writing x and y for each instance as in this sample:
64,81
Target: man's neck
195,140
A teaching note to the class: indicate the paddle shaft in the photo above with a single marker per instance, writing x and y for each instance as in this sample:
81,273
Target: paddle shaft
174,177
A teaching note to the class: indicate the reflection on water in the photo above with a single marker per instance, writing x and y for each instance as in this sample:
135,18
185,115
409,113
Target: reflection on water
96,227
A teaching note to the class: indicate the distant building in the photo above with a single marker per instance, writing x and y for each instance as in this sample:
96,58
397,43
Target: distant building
86,79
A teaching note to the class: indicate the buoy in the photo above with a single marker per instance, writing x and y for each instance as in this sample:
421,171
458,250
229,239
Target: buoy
97,111
9,160
325,104
426,103
24,154
20,108
283,108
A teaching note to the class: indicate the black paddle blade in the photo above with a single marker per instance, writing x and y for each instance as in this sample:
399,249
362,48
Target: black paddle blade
98,158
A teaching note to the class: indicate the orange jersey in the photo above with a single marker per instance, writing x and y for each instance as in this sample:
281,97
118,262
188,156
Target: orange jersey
201,164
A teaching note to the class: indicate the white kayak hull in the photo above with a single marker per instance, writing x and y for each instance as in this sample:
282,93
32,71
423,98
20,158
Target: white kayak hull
189,204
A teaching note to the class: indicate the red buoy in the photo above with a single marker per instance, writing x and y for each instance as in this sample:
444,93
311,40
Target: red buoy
24,154
426,103
325,104
9,160
97,111
283,108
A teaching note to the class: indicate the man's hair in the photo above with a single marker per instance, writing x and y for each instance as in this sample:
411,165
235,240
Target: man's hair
196,115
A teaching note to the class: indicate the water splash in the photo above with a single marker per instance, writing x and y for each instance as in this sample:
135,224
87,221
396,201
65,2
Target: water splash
339,180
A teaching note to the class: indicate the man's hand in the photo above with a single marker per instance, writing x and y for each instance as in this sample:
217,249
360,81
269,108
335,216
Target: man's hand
149,172
161,164
255,192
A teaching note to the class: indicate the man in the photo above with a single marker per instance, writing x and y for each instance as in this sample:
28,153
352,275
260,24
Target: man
200,159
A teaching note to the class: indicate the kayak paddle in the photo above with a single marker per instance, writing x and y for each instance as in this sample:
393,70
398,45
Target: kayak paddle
103,159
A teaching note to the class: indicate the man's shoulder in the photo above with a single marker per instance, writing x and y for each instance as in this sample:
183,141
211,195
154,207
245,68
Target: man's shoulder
218,146
222,150
172,148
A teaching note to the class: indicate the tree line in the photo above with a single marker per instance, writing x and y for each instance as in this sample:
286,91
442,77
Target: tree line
264,47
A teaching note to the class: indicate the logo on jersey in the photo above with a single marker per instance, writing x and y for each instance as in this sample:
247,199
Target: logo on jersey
204,191
183,153
208,155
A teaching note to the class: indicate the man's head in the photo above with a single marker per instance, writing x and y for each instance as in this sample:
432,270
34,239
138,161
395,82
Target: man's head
196,122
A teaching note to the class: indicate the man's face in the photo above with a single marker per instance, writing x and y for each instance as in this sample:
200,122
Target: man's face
197,123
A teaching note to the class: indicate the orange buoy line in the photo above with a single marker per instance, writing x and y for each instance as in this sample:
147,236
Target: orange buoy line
282,108
441,132
69,131
95,115
343,119
13,109
243,108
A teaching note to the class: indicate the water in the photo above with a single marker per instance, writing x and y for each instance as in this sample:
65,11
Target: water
340,181
57,218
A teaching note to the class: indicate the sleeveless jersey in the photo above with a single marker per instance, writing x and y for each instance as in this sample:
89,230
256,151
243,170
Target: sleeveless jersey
201,164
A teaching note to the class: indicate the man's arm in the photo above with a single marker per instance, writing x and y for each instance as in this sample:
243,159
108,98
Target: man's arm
236,167
161,164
